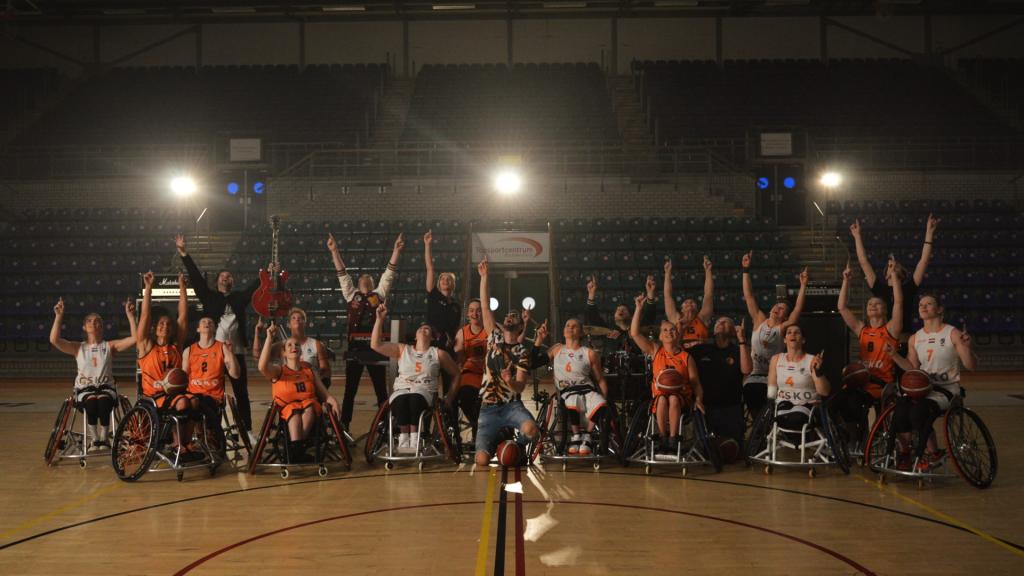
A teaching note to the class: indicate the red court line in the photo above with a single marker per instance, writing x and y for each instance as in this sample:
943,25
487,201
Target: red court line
499,541
846,560
520,548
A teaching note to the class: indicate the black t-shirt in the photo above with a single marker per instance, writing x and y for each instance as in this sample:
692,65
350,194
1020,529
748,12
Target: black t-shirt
444,315
882,290
720,375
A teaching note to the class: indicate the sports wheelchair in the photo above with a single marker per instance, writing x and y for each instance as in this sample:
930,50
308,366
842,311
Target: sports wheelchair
141,443
555,433
816,444
66,443
696,447
330,443
968,446
439,438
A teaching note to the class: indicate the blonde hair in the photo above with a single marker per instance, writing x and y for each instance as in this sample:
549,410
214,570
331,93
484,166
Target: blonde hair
299,311
449,275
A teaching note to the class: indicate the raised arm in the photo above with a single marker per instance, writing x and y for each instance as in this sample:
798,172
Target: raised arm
671,312
230,361
649,315
895,324
798,308
862,255
962,342
195,276
849,318
388,277
389,349
324,361
926,249
144,315
746,363
428,260
485,297
591,315
182,333
707,307
348,288
748,291
122,344
265,366
69,348
821,383
641,341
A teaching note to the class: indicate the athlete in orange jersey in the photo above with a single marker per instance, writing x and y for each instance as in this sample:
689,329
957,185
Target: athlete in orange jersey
668,353
159,345
691,323
296,391
470,350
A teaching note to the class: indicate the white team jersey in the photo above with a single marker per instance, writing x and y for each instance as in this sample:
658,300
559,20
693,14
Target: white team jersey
939,357
794,381
418,372
765,342
572,367
308,354
95,365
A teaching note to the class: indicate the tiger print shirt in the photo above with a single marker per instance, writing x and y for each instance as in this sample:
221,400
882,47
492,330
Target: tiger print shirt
502,356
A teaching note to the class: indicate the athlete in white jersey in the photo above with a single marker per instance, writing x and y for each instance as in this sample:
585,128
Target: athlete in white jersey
795,381
580,382
419,366
766,336
938,349
94,386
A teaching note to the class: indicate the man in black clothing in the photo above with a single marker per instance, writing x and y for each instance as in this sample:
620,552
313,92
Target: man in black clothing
722,363
444,311
227,309
618,339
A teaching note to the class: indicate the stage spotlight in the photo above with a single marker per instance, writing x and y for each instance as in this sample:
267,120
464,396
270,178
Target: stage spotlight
831,179
529,303
507,181
493,303
183,186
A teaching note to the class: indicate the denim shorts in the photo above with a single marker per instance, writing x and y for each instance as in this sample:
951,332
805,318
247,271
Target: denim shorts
494,417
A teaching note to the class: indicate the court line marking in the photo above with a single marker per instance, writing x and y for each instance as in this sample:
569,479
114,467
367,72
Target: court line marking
416,473
520,529
485,526
942,515
502,527
88,497
838,556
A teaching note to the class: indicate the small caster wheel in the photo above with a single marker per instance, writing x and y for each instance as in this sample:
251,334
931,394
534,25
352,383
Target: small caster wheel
180,475
812,473
419,465
82,463
768,469
564,466
684,470
389,465
284,472
322,471
647,469
213,471
597,465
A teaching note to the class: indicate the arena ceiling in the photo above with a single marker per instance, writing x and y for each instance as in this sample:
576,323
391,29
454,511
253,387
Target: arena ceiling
134,11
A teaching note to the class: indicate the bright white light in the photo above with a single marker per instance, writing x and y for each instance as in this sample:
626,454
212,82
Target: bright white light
529,303
183,186
507,181
831,179
494,303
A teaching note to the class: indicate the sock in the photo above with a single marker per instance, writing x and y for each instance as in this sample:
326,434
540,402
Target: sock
102,433
93,432
403,439
414,440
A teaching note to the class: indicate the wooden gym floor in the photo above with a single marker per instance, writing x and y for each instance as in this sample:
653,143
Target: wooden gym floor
445,520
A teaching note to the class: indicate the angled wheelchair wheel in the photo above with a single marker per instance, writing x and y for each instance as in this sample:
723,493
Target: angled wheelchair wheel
704,437
836,441
335,430
136,442
881,440
609,436
545,418
636,429
256,456
758,438
243,433
121,408
60,426
377,435
447,433
971,447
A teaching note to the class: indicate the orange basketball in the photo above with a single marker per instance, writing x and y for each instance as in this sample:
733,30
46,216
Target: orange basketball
856,376
916,383
175,381
508,453
670,380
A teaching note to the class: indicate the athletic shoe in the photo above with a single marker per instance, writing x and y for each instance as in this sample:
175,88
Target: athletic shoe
923,466
97,446
673,445
404,445
585,446
574,445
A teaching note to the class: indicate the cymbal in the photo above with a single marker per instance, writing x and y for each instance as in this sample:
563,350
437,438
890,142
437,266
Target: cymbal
595,330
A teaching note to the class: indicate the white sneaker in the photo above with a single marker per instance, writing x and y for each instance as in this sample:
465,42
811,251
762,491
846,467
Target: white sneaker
403,442
574,445
585,446
414,441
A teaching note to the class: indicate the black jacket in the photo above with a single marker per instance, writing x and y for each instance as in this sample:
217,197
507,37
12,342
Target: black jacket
214,302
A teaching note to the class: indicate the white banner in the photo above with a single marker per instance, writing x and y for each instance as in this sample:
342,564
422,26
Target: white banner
516,247
776,144
245,150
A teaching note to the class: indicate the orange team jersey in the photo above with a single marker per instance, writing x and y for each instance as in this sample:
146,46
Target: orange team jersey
155,365
474,347
695,333
206,371
295,390
664,359
872,354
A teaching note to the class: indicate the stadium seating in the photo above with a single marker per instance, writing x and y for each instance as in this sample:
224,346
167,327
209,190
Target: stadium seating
1002,78
22,90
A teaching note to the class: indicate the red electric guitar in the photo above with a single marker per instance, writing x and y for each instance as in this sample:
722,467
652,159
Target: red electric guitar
272,299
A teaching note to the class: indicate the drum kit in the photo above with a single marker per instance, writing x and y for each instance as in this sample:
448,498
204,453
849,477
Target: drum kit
627,370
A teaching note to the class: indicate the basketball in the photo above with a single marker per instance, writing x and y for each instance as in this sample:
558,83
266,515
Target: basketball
856,376
670,380
175,381
508,453
915,383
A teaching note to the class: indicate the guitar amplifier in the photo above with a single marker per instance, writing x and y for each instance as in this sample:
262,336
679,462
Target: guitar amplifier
818,298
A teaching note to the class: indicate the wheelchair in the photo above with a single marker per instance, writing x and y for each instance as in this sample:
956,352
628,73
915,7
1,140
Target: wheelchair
969,451
856,446
555,433
141,443
814,445
330,443
66,443
439,438
696,446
